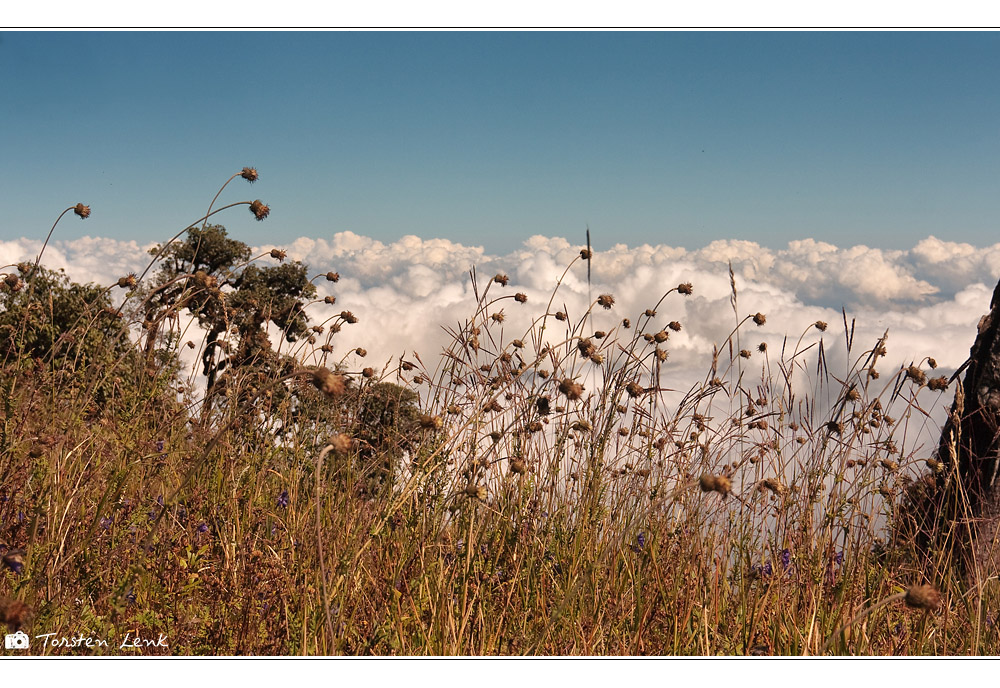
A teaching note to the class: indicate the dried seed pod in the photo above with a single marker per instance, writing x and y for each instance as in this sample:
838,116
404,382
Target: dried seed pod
924,597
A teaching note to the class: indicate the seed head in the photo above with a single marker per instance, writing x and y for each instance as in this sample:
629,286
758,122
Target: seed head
661,355
278,254
773,485
586,347
475,492
333,277
634,389
932,363
259,210
685,289
661,336
762,347
497,317
586,254
330,300
341,443
501,279
331,384
518,466
916,374
521,297
429,422
82,210
128,281
924,597
250,174
715,483
368,372
14,613
560,316
820,325
745,353
938,384
626,323
348,317
759,319
13,282
572,390
517,344
675,326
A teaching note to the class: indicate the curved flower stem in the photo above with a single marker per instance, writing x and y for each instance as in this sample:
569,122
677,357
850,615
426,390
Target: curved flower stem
46,243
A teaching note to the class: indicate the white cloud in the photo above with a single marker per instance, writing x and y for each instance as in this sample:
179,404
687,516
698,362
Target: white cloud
406,292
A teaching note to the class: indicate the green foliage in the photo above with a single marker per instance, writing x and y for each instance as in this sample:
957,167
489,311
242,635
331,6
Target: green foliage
60,322
208,274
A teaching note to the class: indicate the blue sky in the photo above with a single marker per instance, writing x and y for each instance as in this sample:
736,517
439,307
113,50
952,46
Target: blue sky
489,138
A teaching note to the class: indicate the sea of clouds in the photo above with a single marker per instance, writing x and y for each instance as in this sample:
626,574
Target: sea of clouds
406,293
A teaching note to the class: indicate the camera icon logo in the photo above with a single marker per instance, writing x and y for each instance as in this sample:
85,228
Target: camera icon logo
16,641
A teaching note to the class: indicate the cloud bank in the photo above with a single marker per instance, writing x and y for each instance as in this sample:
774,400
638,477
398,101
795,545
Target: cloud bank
929,298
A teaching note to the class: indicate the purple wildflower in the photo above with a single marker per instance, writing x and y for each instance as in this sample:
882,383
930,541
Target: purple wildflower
203,528
106,522
14,560
160,444
283,499
786,559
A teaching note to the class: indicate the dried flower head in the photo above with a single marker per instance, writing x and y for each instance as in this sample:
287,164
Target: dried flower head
572,390
497,317
759,319
429,422
278,254
205,280
83,211
501,279
586,347
586,254
341,443
542,406
685,289
932,363
361,352
715,483
333,277
581,425
368,372
661,336
820,325
745,353
773,485
259,210
128,281
13,282
475,492
626,323
674,325
14,613
924,597
348,317
938,384
518,466
762,347
521,297
606,301
662,355
560,316
331,384
634,389
250,174
916,374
